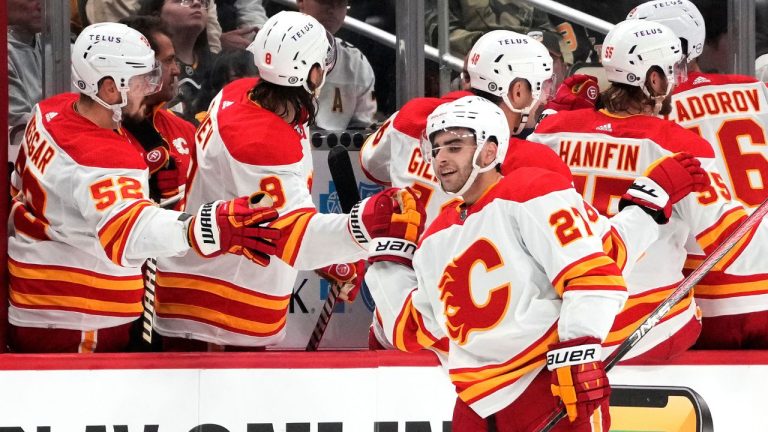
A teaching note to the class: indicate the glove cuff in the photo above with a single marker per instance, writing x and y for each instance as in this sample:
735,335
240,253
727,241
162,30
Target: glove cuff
647,190
574,352
356,226
205,235
391,247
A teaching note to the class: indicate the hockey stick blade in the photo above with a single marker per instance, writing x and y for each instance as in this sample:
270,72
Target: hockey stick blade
678,294
346,189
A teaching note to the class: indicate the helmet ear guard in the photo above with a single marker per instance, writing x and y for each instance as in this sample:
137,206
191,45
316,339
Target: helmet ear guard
482,118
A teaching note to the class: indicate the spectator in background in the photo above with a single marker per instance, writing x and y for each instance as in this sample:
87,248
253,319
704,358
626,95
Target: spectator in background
470,19
716,56
347,98
185,20
240,20
97,11
25,68
228,66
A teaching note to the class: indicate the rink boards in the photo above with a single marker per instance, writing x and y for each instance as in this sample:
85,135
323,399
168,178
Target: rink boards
356,391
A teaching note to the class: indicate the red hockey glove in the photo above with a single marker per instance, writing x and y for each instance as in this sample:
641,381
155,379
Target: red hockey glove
578,376
349,276
236,227
169,179
390,224
665,182
576,92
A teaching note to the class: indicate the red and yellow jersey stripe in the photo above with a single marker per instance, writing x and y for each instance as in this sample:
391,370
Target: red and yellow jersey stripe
711,238
720,285
614,247
36,286
410,332
473,384
220,304
292,226
639,307
593,272
115,233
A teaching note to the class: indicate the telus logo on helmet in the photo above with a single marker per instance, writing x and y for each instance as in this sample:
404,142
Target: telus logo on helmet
512,41
105,38
302,32
648,32
667,3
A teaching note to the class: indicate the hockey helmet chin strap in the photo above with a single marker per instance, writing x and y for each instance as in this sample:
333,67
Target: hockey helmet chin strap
476,169
117,109
658,100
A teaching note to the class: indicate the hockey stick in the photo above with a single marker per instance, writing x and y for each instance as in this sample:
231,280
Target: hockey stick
346,188
681,291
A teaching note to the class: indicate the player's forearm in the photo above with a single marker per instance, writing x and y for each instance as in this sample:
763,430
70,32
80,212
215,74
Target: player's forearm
637,230
326,241
157,233
585,314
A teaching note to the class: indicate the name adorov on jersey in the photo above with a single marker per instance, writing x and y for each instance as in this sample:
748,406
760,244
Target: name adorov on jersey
711,104
418,167
206,223
599,154
298,35
39,150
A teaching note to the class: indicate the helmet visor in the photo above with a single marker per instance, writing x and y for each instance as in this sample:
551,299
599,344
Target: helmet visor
547,90
147,83
450,140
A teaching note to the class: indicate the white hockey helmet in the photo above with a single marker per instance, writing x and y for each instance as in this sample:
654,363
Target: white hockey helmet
114,50
481,117
633,47
287,47
682,16
502,56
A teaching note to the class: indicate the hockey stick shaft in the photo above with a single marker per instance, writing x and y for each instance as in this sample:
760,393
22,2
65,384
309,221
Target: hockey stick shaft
678,294
346,189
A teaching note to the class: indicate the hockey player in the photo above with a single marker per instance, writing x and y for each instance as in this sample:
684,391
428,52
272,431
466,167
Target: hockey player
165,137
731,112
606,149
256,134
82,224
512,276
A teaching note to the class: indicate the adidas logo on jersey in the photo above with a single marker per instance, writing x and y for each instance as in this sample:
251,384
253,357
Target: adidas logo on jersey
605,128
700,80
50,115
225,104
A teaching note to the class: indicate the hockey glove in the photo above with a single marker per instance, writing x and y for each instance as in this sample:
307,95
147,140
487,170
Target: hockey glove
576,92
665,182
578,376
237,227
390,224
349,276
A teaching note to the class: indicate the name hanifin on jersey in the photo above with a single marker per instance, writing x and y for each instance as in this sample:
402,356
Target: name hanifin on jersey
599,154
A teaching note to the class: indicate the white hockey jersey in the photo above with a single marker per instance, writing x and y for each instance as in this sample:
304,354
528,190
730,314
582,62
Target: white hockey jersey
605,152
241,148
347,98
731,112
82,225
501,280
